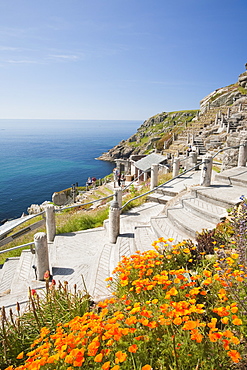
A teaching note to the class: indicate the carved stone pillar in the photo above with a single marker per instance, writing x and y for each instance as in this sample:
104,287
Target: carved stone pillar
42,257
175,168
114,221
206,170
242,154
50,222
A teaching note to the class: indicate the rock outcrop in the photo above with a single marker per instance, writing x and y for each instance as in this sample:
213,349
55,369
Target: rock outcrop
222,113
151,135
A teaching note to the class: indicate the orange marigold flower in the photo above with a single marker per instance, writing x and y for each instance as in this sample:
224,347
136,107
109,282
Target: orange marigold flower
152,324
186,250
195,335
109,279
120,357
133,348
235,356
98,358
106,365
146,367
212,324
235,340
234,309
189,325
237,321
224,320
177,321
207,273
20,356
130,320
116,367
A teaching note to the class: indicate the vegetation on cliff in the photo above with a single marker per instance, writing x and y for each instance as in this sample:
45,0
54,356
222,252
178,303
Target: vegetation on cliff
152,134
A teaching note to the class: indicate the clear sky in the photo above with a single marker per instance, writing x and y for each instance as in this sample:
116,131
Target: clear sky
116,59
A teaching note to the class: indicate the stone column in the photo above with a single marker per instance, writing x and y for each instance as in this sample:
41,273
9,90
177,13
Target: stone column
206,171
50,222
228,128
192,159
145,176
175,168
222,119
192,139
228,112
41,252
114,221
154,176
138,175
242,154
118,196
216,119
188,138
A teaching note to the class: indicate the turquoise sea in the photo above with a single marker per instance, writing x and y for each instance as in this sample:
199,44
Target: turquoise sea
39,157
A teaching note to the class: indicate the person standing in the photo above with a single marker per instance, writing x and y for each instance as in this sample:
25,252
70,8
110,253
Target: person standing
88,183
119,179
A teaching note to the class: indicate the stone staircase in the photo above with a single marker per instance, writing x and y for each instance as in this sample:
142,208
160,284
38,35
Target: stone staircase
205,127
199,208
178,210
16,277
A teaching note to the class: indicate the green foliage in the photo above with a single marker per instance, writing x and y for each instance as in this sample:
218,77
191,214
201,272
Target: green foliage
46,309
242,90
83,221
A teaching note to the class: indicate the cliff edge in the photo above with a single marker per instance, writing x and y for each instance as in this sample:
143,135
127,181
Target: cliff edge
160,130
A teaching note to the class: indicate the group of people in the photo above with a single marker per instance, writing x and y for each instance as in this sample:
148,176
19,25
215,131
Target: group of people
91,181
119,178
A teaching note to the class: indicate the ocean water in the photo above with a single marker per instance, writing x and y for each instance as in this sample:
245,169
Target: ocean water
39,157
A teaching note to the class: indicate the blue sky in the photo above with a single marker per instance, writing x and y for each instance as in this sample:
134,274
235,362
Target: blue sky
116,59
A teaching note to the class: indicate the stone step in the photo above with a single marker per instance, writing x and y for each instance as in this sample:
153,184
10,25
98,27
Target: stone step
144,237
163,227
24,276
234,176
207,211
225,196
166,191
105,267
8,271
187,222
159,198
9,301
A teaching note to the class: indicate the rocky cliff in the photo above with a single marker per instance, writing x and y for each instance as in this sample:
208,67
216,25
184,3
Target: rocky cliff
159,131
151,135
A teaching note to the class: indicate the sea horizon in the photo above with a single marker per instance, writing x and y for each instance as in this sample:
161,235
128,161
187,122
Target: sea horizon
41,156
